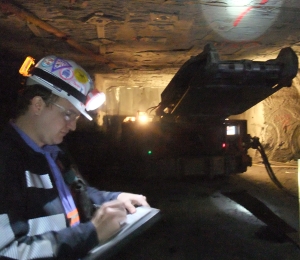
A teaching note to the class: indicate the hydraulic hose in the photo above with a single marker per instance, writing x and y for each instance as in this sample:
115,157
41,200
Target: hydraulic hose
255,144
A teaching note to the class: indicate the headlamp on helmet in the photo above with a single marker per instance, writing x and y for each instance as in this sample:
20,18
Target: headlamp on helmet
66,79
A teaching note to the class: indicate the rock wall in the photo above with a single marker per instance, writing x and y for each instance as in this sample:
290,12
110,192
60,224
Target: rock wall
275,121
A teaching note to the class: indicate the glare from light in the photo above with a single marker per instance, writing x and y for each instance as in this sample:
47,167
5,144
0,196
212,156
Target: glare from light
242,209
237,7
241,20
95,100
232,208
129,119
142,117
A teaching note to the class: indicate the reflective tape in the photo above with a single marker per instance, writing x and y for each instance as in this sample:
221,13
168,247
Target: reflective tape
38,249
73,217
38,181
41,225
6,233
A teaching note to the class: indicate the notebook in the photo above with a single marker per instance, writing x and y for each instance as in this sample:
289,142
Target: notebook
136,223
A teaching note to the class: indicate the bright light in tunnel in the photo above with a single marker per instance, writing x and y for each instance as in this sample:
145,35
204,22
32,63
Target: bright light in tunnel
241,20
129,119
142,117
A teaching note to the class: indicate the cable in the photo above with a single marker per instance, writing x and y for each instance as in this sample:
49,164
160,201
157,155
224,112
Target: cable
257,145
151,109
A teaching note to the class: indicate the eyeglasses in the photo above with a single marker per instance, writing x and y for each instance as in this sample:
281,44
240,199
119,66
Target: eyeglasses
68,114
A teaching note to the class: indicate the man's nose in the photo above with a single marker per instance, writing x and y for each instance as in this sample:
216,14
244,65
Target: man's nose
72,125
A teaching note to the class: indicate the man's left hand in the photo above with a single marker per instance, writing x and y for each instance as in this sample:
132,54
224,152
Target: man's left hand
131,200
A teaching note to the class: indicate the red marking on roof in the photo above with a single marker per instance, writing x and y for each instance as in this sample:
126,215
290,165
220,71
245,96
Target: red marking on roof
241,16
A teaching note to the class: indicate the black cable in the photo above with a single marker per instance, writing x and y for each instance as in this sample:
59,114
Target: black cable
269,169
151,109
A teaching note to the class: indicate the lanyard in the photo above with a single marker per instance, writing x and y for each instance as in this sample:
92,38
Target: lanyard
64,192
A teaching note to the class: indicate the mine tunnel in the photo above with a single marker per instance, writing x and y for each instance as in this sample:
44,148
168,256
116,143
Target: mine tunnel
200,117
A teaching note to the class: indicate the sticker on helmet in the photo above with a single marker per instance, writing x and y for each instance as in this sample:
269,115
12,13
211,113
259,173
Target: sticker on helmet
47,61
66,73
81,76
60,64
79,87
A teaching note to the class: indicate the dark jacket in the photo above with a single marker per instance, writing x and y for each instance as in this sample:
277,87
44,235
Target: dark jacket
32,219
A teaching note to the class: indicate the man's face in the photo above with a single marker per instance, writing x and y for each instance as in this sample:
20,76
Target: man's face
55,121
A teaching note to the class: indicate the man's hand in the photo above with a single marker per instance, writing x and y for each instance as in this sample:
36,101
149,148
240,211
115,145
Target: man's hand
131,200
108,219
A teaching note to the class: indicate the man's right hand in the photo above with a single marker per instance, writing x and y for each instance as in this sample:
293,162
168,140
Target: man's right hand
108,218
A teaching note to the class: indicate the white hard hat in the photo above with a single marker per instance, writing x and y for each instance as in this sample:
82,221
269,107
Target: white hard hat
68,80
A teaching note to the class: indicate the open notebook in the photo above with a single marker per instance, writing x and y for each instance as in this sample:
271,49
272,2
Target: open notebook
135,224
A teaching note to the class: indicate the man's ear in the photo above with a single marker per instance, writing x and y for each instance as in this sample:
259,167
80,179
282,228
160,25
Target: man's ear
37,104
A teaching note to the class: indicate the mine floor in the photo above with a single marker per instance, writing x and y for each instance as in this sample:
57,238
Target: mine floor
244,216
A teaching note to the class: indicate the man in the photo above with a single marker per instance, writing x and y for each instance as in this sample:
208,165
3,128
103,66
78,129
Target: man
39,217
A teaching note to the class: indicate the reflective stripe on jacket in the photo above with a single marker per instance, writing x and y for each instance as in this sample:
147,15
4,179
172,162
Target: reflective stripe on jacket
32,220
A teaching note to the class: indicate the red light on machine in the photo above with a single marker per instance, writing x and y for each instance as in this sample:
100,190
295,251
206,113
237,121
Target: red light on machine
224,145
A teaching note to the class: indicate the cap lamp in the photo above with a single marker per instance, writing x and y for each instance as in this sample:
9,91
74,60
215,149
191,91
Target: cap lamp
94,100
